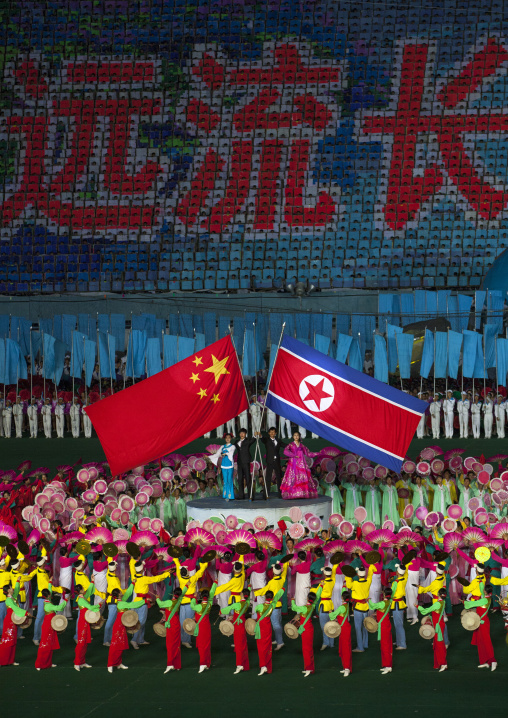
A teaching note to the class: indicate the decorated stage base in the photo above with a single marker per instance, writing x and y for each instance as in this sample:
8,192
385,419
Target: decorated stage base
272,510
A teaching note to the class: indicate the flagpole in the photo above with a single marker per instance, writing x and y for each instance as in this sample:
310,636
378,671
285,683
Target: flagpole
497,373
400,375
434,367
163,357
98,354
447,352
73,362
484,377
86,393
43,368
114,367
125,370
17,368
31,367
255,364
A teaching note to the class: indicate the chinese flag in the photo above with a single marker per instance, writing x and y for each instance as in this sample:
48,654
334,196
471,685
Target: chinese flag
160,414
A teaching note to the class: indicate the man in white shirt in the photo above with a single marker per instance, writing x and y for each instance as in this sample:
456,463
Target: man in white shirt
59,418
420,429
476,409
488,416
499,410
46,417
448,407
33,418
435,415
17,412
75,414
87,424
463,406
7,418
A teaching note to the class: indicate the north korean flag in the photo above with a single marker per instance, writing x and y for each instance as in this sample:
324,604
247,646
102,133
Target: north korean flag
343,405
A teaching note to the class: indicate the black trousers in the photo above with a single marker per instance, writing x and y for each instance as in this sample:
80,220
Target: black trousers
272,466
243,470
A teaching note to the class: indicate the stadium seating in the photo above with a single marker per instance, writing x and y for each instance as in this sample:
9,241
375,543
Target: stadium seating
243,146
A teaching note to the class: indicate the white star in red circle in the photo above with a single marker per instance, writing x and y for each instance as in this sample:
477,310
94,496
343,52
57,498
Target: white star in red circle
317,392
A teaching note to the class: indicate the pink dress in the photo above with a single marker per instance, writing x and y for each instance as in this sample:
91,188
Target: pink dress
297,482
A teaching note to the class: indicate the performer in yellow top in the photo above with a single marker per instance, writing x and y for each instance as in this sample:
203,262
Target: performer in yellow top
477,586
360,588
42,583
235,584
325,604
188,585
5,580
276,584
399,606
113,582
141,584
433,588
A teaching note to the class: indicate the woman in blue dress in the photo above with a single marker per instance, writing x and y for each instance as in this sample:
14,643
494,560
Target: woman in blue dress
226,453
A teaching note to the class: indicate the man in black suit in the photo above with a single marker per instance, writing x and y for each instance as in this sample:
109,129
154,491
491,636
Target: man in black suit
273,448
243,463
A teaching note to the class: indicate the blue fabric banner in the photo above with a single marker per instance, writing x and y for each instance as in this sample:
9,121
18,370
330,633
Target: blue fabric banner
420,305
303,328
479,365
453,313
427,354
90,351
343,322
407,309
60,350
77,354
495,303
261,337
355,355
464,305
4,326
199,342
239,334
440,355
20,333
454,347
391,331
84,324
224,323
275,328
104,324
185,347
153,356
46,326
489,344
380,359
469,353
2,361
170,350
404,353
107,344
502,361
197,323
117,330
135,365
186,328
48,350
15,364
322,343
57,327
68,326
249,352
209,322
479,301
174,324
343,346
150,325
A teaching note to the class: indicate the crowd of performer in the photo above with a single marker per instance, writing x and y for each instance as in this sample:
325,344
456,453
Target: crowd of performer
100,549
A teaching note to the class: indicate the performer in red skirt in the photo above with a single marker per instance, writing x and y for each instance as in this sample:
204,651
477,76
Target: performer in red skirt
119,642
83,629
49,637
306,629
481,636
240,609
203,631
384,631
345,648
438,609
10,629
172,616
263,633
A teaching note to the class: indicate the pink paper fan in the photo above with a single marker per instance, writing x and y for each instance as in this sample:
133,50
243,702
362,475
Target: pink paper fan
452,541
353,467
504,477
348,457
216,528
423,468
368,527
500,531
331,451
121,545
260,523
83,476
481,519
78,514
503,495
221,537
199,465
453,454
193,525
477,467
27,513
156,525
455,511
295,513
487,501
93,473
363,462
496,484
191,486
126,503
327,465
314,524
119,486
492,518
184,472
409,466
148,490
100,486
449,524
431,519
489,469
455,463
474,535
116,515
335,519
468,463
333,546
144,524
483,478
497,500
330,477
309,544
437,466
213,448
473,503
166,474
121,535
360,514
208,524
241,536
71,503
145,538
99,535
437,450
268,540
49,512
368,473
89,496
142,499
380,471
382,537
41,499
388,525
346,529
124,518
296,531
231,521
427,454
34,537
44,525
408,511
200,536
157,489
403,493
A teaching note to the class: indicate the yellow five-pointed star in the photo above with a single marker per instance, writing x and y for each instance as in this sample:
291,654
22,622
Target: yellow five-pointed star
197,361
215,398
218,368
202,393
195,378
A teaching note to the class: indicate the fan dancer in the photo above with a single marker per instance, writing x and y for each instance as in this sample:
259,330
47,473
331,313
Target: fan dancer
359,588
203,631
113,582
224,568
119,642
302,577
263,631
384,629
240,608
481,596
306,629
438,644
257,575
345,647
10,628
84,633
49,637
327,586
141,583
173,650
188,585
276,587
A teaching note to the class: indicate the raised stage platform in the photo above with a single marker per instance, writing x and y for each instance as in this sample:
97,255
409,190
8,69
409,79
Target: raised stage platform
273,510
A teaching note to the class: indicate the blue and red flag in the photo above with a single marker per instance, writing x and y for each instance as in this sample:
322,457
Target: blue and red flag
343,405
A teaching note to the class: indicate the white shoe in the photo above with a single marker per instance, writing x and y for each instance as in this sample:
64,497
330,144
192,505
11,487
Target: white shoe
346,672
37,669
202,669
77,668
279,646
106,644
85,665
17,664
239,669
492,667
484,665
306,673
169,668
443,668
124,668
36,643
343,671
386,670
145,643
134,645
53,665
187,645
110,669
274,643
415,620
323,647
400,648
263,670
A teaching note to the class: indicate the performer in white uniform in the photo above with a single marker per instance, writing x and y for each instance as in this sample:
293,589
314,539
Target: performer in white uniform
435,414
476,409
7,419
488,416
255,409
59,418
33,418
499,410
420,429
463,408
75,412
46,418
284,428
87,424
448,407
17,412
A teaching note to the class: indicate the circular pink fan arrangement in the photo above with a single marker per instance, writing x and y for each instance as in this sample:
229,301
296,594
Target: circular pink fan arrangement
116,515
119,486
260,523
126,503
368,473
296,531
145,538
368,527
474,535
157,489
327,464
144,524
409,466
483,478
489,469
49,512
99,509
427,454
455,463
99,535
184,472
346,529
121,535
314,524
241,536
78,514
156,525
455,511
352,467
89,496
44,525
41,499
380,472
83,476
468,463
363,462
452,540
431,519
71,503
335,519
408,511
493,519
403,493
473,503
92,472
27,512
100,486
449,524
200,536
330,477
221,537
268,540
231,521
500,531
496,484
487,501
208,524
360,514
199,465
124,518
481,518
348,457
503,495
388,525
333,546
142,499
423,468
147,489
476,467
191,486
497,500
437,466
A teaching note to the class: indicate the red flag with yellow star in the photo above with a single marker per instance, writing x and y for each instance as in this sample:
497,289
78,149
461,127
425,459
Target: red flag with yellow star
159,415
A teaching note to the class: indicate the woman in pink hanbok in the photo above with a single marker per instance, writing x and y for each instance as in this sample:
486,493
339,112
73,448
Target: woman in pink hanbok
297,482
